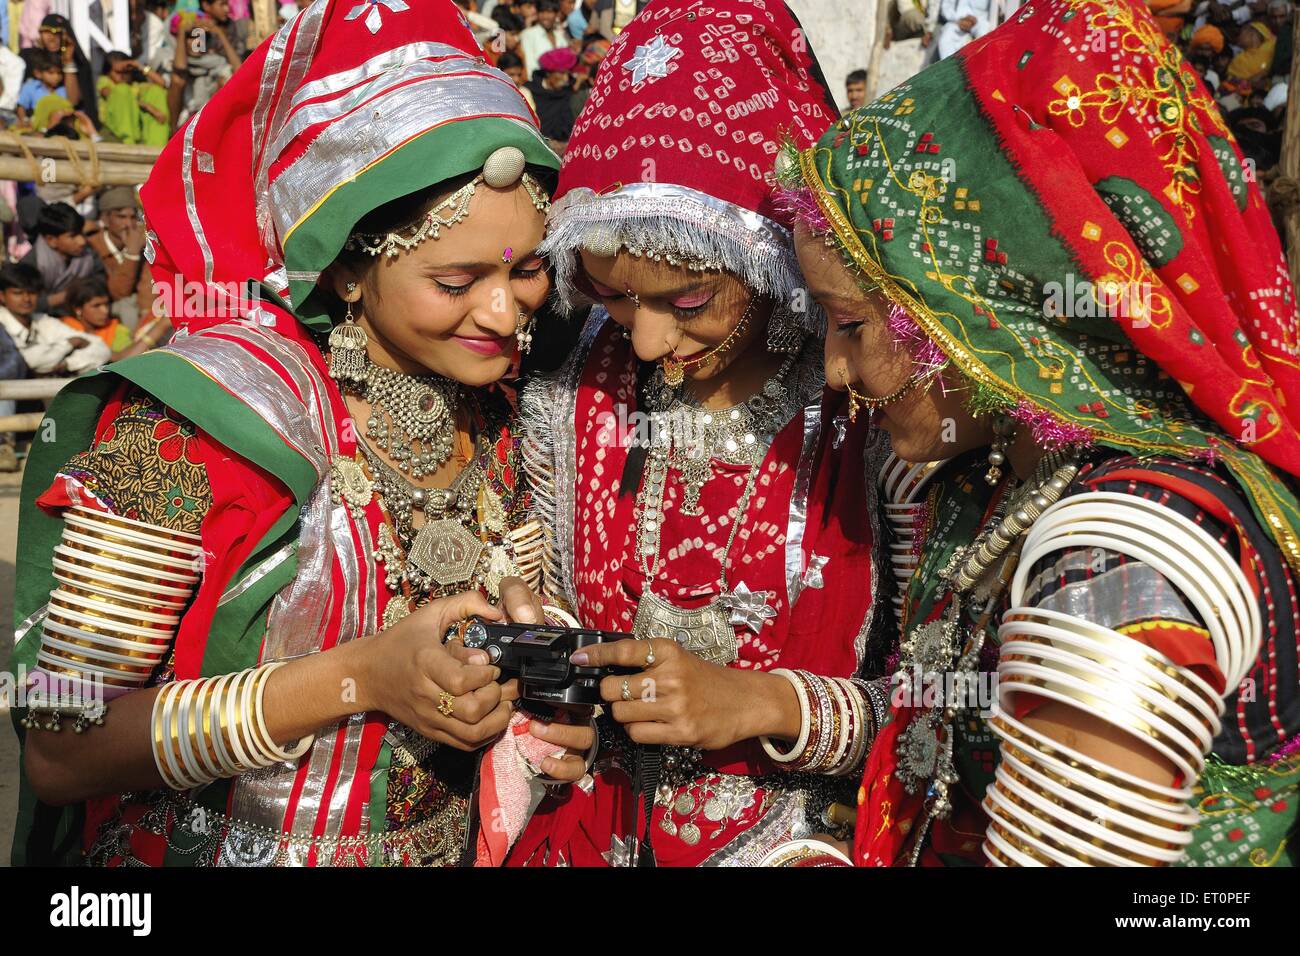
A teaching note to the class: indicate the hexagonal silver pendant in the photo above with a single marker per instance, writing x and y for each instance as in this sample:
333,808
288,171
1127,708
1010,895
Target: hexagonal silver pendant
446,551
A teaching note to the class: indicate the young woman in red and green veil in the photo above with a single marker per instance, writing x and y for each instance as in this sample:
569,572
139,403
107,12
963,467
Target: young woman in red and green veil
1051,282
248,544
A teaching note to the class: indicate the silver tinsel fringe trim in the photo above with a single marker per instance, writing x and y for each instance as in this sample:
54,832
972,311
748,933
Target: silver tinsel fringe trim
683,226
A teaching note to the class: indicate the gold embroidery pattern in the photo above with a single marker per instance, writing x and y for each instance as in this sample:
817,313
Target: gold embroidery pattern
1159,88
147,466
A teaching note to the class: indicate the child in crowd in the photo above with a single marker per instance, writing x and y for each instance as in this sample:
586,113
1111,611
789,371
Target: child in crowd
61,253
46,80
48,346
86,310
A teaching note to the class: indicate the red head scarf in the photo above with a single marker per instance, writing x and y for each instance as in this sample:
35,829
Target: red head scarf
351,104
674,151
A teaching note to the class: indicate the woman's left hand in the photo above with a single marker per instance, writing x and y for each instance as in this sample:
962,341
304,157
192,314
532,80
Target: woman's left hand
678,699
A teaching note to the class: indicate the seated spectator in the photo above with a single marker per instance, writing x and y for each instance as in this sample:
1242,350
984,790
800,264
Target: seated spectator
204,61
1254,63
1170,15
907,19
963,21
55,37
12,367
237,32
1204,47
87,310
61,253
513,67
119,241
133,102
855,88
156,39
12,69
612,16
576,17
46,81
1256,131
546,34
552,90
48,346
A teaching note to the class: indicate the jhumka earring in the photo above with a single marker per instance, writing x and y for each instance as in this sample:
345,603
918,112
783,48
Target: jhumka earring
524,331
347,344
1004,431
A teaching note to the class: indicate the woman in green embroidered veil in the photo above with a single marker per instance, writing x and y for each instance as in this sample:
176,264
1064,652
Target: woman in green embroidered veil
1050,282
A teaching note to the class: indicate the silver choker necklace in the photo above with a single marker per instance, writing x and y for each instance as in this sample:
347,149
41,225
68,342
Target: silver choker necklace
694,436
412,417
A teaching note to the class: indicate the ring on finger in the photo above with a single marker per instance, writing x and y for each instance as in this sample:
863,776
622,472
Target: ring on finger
446,703
627,691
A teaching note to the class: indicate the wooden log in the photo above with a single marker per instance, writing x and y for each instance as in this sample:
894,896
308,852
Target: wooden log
107,152
110,174
25,422
23,389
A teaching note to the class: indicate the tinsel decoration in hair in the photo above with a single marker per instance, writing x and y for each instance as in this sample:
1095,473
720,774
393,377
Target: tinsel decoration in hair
792,196
1049,431
799,203
906,334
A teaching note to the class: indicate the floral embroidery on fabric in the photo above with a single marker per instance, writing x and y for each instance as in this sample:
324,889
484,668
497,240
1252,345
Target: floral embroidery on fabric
1159,86
147,466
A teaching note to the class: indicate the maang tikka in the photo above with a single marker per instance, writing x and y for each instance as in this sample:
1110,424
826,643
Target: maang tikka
348,343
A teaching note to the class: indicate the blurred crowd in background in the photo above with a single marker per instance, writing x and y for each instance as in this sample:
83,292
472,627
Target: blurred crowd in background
75,291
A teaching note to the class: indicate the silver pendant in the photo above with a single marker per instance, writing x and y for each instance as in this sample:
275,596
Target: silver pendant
689,833
747,608
715,810
706,631
446,551
350,486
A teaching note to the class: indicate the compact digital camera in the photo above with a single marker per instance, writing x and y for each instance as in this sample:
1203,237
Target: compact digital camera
539,655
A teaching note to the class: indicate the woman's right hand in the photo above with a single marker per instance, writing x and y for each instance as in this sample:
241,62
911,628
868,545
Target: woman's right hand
409,670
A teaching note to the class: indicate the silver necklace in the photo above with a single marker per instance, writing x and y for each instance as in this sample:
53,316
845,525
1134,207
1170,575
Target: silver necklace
695,436
688,438
925,747
412,417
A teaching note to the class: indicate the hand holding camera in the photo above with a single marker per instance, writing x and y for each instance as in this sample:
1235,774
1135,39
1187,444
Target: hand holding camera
447,693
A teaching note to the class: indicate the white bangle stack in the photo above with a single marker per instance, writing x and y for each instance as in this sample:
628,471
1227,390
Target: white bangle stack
835,729
207,729
1050,805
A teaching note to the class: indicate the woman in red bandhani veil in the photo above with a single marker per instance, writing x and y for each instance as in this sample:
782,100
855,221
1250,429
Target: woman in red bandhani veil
240,550
698,492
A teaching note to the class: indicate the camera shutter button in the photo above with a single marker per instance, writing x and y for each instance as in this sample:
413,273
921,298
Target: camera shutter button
494,653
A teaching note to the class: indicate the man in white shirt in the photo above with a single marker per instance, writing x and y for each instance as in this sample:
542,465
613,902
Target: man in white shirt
966,20
48,345
543,36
